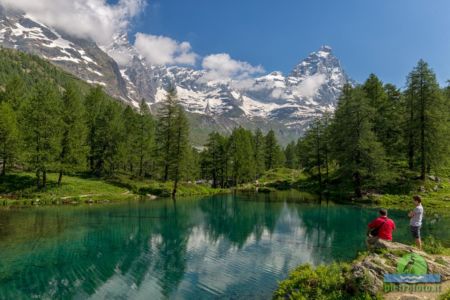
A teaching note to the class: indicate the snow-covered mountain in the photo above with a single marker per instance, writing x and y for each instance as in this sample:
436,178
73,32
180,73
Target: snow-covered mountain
283,102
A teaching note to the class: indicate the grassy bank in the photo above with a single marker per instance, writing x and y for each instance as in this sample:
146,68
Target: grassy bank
163,189
435,195
20,189
396,194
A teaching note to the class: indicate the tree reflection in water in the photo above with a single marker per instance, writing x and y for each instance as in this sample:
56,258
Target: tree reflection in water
230,246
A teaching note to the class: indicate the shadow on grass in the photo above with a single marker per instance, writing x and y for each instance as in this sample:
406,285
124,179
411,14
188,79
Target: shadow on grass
13,183
23,185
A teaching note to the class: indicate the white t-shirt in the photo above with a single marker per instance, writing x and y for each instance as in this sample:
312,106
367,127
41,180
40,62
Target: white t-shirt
416,220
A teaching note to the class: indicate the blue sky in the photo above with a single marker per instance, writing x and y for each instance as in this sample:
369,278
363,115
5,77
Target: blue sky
386,37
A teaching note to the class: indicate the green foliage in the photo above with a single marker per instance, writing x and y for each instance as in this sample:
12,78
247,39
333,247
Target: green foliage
42,129
214,160
355,147
241,158
290,155
259,152
274,157
165,133
314,149
162,189
22,186
144,140
433,246
74,131
324,282
9,136
68,126
172,135
445,296
427,123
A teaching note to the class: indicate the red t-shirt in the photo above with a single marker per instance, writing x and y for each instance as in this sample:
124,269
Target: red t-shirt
385,231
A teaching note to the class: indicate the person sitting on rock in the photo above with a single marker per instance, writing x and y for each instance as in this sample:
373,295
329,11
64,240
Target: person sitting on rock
382,227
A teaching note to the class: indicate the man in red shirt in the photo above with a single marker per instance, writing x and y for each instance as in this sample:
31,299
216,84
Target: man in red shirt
381,227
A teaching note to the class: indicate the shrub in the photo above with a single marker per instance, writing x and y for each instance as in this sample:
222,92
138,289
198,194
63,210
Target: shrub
432,246
445,296
324,282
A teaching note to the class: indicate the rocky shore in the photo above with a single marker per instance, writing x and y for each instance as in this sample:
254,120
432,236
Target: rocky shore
383,258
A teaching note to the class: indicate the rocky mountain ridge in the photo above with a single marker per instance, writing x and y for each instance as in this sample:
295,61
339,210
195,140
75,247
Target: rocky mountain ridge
285,103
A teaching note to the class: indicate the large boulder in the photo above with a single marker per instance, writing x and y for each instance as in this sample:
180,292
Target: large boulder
382,259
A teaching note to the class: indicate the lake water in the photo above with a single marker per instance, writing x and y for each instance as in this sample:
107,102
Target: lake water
212,247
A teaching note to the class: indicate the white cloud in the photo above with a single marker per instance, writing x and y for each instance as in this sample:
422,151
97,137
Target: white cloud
310,85
221,67
161,50
94,19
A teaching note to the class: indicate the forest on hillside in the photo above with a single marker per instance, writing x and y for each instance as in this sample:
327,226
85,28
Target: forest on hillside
378,134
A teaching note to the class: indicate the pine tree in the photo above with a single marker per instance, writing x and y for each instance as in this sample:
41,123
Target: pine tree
128,150
273,154
426,128
377,99
15,92
165,133
314,150
214,158
289,152
95,104
192,164
394,123
241,156
259,150
145,137
9,136
179,151
106,131
42,130
355,147
73,144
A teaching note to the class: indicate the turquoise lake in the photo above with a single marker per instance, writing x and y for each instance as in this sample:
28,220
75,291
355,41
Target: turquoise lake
219,247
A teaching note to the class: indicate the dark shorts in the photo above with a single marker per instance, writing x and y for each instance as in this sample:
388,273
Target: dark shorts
415,231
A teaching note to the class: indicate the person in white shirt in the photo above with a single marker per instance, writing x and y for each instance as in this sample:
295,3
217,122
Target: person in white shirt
415,223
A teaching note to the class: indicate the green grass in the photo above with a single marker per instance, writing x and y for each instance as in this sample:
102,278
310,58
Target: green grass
163,189
445,296
436,201
20,189
275,180
395,194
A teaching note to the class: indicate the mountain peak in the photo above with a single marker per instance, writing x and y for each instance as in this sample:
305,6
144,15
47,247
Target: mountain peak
321,61
325,48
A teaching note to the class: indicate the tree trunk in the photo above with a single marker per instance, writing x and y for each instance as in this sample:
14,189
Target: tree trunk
38,179
422,133
91,163
166,172
214,184
326,164
141,165
60,177
4,166
175,186
44,179
357,181
318,160
411,136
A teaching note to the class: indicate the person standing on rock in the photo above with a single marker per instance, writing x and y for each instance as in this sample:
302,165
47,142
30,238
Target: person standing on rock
416,220
381,228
